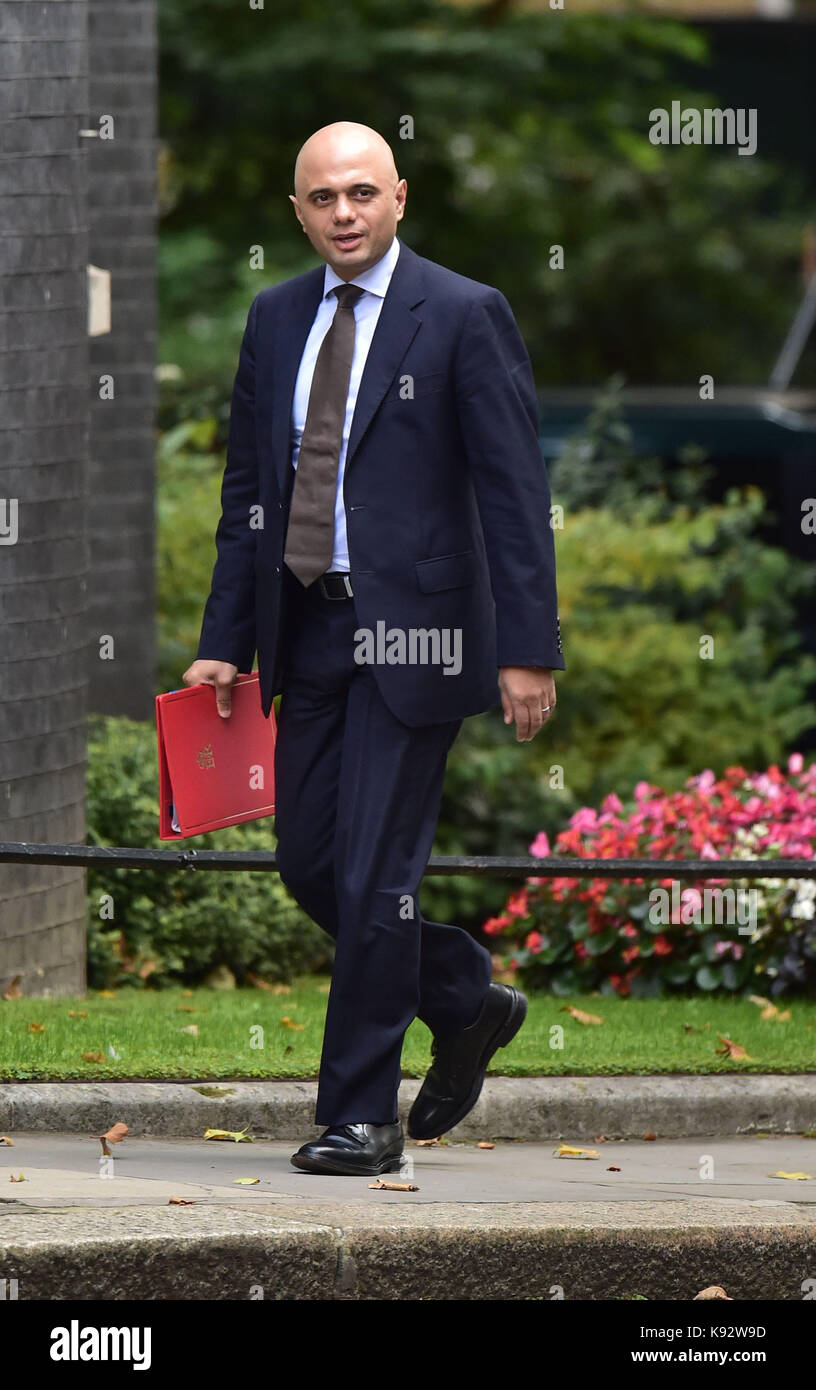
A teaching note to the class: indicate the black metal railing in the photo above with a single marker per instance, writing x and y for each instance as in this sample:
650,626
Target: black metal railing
483,866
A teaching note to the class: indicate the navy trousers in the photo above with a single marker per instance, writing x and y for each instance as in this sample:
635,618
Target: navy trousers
357,799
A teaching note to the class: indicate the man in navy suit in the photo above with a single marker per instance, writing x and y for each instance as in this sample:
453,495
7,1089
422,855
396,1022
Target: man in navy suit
385,545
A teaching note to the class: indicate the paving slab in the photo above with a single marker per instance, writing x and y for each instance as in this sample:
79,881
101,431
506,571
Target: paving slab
69,1170
512,1222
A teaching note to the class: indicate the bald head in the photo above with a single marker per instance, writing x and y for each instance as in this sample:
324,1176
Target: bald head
348,195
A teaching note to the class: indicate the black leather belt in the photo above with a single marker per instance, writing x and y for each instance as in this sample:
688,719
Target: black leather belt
336,586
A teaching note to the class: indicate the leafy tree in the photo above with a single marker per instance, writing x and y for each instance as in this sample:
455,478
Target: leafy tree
529,131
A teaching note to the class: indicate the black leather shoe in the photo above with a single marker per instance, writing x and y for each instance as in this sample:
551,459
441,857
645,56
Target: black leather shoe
456,1076
356,1150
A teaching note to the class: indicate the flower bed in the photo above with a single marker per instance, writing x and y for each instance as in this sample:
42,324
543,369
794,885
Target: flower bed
640,937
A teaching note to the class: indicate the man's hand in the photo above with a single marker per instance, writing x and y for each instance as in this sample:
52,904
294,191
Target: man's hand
221,674
528,697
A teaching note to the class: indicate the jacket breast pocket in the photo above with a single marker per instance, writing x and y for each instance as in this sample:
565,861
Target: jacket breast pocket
407,388
446,572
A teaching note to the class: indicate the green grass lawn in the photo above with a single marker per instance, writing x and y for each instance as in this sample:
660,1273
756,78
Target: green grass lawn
144,1028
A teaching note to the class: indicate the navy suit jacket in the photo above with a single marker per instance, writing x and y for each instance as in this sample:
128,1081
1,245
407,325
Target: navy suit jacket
445,488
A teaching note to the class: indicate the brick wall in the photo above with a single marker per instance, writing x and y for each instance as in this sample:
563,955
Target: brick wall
122,239
44,640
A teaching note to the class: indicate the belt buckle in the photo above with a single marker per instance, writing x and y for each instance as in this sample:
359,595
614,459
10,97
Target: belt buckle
339,598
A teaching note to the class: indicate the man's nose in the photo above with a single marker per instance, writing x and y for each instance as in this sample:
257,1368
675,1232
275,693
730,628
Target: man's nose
343,210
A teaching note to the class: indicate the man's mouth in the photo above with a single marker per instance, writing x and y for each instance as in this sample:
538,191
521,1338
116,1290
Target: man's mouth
348,240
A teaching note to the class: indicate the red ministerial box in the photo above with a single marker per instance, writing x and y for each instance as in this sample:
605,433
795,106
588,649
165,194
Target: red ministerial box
212,771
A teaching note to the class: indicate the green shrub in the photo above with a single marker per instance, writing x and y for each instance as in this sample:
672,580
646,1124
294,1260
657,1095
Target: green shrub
637,593
640,581
183,921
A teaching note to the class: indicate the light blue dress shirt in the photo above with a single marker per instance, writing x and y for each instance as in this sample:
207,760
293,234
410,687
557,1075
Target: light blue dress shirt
375,282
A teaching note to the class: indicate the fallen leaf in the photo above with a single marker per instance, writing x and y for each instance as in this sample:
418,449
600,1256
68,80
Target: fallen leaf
114,1135
247,1182
760,1001
783,1016
180,1202
613,1168
426,1143
732,1050
187,993
13,991
105,994
192,1029
649,1136
566,1151
187,1009
579,1015
599,1138
13,1179
792,1177
239,1136
36,1027
257,981
386,1186
4,1139
483,1144
93,1056
287,1022
323,989
281,989
77,1013
714,1291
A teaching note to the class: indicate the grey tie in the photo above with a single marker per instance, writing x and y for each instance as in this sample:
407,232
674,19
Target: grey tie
310,536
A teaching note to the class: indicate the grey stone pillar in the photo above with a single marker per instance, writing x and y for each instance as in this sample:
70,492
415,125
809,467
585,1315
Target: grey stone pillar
44,648
122,239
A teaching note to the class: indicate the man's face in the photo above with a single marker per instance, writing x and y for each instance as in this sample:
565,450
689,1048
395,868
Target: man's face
349,207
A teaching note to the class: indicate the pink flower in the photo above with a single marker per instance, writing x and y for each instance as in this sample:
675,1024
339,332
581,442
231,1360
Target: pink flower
540,847
517,904
630,953
795,764
662,947
629,930
533,942
612,803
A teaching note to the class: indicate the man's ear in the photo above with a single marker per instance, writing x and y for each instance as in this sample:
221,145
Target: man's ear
293,200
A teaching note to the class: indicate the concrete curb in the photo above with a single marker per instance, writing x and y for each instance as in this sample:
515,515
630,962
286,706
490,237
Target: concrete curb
347,1251
524,1108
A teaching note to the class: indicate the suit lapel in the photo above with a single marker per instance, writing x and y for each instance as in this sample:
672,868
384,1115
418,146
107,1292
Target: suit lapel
396,328
296,322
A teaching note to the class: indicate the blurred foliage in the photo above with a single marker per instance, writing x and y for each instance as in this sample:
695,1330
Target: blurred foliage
530,131
176,926
641,580
189,505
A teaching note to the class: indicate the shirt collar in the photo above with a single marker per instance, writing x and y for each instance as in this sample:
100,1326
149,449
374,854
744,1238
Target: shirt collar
376,279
